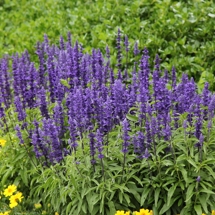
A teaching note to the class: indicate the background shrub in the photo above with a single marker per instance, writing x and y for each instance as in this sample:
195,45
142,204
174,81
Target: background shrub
181,32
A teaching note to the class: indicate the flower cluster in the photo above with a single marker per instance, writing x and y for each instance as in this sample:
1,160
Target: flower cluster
5,213
141,212
15,197
146,212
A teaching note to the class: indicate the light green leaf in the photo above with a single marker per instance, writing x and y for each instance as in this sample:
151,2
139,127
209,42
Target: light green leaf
190,192
212,15
198,209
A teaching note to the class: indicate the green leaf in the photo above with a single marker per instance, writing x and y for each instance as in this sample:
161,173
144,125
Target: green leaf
189,193
170,193
202,199
212,15
198,209
127,198
167,207
120,197
206,191
192,162
65,83
157,193
184,174
132,118
144,196
111,207
210,171
24,176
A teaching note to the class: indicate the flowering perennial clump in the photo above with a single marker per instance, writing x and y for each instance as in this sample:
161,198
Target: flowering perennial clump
95,97
80,98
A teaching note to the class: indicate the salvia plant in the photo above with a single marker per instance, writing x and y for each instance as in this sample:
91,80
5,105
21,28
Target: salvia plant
100,139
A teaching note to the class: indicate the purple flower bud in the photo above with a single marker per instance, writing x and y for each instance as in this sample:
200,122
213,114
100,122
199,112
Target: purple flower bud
19,109
173,77
198,179
43,103
107,52
185,124
136,50
201,139
146,154
62,45
211,107
19,134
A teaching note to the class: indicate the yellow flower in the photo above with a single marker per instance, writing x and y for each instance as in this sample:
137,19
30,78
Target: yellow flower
2,142
56,213
17,197
213,212
144,212
122,213
13,204
6,213
10,190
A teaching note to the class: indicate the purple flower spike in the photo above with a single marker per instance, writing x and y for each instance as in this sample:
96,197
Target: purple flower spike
201,139
126,44
211,107
185,124
136,50
92,147
107,52
19,109
19,134
146,154
198,179
119,54
173,78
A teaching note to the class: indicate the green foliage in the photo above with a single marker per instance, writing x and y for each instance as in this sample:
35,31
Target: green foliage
181,32
165,182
